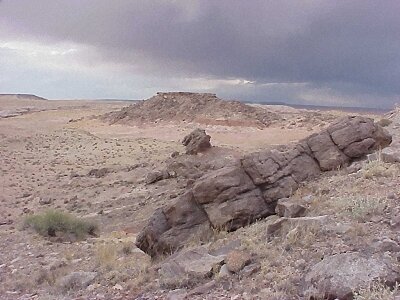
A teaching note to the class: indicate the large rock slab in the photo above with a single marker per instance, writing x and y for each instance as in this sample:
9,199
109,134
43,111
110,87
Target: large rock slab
339,276
346,139
230,198
238,194
189,265
171,226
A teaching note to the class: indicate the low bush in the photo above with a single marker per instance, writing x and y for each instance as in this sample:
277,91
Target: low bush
53,222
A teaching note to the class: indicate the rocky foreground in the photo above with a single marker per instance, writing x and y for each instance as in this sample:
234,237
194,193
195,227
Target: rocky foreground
238,195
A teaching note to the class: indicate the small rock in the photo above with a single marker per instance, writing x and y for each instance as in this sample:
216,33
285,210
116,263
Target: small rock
237,260
45,200
155,176
250,269
300,263
224,272
57,264
77,280
301,221
391,195
288,208
178,294
175,154
376,219
118,287
388,245
98,173
387,156
203,289
308,198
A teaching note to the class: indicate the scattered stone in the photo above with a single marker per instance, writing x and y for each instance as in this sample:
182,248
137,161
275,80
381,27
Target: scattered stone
237,260
277,225
156,176
189,265
387,245
289,209
45,200
77,280
250,270
203,289
178,294
174,154
197,141
98,173
340,275
118,287
225,249
224,272
388,155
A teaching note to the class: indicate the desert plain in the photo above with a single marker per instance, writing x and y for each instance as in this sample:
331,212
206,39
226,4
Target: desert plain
87,159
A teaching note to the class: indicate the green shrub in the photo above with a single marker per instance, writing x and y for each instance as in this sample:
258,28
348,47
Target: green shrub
53,222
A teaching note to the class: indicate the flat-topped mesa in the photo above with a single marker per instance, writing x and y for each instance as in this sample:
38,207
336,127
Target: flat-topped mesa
237,195
201,108
186,94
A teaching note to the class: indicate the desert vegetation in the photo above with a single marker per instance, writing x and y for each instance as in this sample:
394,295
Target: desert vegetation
54,222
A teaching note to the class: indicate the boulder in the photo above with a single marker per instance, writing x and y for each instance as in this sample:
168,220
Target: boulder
289,208
339,276
156,176
172,226
188,265
233,195
326,152
197,141
347,138
230,198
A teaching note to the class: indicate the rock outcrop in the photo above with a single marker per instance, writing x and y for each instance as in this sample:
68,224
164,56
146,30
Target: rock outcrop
339,276
197,141
239,194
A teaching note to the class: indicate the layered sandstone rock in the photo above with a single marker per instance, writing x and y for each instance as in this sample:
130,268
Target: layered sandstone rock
239,194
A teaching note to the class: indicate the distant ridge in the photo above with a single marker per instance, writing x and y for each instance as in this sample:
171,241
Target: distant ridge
350,109
23,96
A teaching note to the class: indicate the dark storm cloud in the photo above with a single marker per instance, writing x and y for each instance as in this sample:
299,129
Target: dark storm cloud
350,47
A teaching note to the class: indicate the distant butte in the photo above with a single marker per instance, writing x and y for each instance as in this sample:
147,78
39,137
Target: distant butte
23,96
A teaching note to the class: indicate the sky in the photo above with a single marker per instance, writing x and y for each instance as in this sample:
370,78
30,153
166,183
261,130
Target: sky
343,52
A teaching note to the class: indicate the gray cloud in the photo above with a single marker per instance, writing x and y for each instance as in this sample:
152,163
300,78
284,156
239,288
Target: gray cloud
349,49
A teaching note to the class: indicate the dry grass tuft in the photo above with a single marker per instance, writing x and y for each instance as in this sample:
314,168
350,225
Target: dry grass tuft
378,168
361,208
376,291
107,254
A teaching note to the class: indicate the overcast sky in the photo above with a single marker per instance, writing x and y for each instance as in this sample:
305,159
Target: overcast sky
299,51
